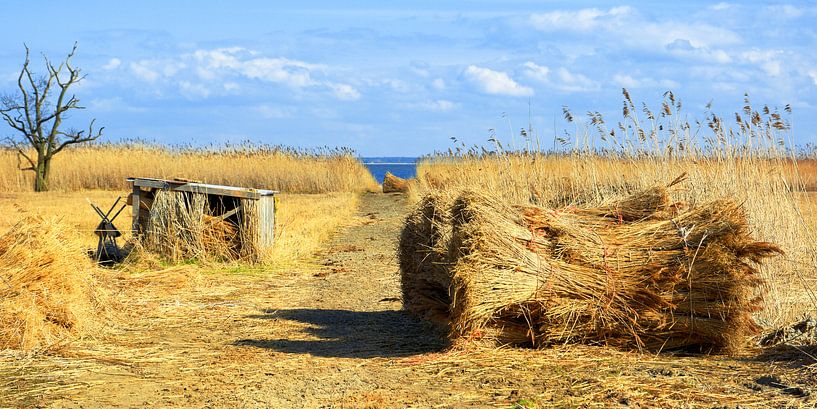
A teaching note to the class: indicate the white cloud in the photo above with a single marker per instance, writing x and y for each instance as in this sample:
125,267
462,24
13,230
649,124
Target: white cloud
813,75
274,112
538,72
685,49
579,20
440,105
421,68
240,61
627,81
194,90
344,92
496,82
573,82
143,72
153,70
625,26
281,70
767,60
435,105
438,84
112,64
399,86
111,105
204,73
720,6
785,10
560,79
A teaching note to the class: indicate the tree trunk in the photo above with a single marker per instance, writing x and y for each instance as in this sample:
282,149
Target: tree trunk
41,173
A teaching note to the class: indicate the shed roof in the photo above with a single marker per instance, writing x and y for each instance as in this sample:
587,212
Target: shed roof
204,188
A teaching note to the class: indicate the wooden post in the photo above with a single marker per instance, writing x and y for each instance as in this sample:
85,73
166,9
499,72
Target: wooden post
137,204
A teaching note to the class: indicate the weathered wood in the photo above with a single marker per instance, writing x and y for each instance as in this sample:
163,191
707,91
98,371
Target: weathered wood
136,203
266,222
228,214
255,209
203,188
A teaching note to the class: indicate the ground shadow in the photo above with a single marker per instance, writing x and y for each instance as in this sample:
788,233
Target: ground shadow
353,334
790,355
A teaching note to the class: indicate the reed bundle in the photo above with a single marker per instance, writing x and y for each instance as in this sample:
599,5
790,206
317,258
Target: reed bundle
424,262
641,272
47,291
181,226
394,184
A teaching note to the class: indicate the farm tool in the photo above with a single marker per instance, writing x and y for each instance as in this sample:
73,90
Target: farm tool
107,233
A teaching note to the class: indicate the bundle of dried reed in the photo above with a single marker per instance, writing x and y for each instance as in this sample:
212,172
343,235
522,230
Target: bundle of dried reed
182,227
634,273
424,260
47,291
394,184
176,225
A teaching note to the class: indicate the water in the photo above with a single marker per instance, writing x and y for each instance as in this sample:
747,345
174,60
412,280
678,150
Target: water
402,167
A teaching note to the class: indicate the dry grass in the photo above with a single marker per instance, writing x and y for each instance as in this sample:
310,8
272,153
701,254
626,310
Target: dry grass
107,166
71,207
807,171
744,164
303,222
48,293
579,376
176,346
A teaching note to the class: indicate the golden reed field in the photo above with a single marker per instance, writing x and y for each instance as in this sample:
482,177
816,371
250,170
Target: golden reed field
319,189
106,166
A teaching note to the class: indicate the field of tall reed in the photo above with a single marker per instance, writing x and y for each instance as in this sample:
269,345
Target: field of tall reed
106,166
746,161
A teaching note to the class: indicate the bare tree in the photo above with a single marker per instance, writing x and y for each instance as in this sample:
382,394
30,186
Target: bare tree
36,110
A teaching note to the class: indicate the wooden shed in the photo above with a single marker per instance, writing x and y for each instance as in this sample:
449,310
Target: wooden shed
182,219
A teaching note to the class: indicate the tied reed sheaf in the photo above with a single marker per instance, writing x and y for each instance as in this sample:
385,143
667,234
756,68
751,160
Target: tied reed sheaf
642,272
179,226
47,291
106,166
747,161
394,184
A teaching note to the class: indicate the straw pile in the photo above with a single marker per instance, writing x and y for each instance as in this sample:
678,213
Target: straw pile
636,273
425,271
47,292
394,184
181,227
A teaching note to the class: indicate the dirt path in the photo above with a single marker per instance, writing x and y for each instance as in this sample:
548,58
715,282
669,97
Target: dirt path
335,336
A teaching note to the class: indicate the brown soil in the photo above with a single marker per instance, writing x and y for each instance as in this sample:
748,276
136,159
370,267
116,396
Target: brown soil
335,336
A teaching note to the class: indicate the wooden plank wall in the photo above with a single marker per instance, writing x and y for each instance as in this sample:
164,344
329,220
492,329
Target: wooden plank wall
266,221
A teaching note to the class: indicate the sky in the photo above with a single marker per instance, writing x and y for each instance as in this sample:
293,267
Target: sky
402,78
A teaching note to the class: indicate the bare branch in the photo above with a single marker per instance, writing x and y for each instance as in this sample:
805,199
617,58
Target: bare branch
23,92
20,153
74,137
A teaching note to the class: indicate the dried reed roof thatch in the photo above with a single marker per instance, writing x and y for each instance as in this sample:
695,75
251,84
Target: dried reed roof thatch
394,184
636,273
48,293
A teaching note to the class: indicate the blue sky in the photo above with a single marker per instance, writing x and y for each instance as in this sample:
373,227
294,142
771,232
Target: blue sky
402,78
